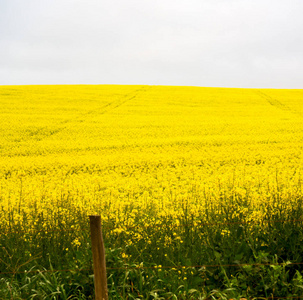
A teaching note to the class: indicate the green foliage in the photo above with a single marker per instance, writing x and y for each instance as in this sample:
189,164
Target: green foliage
223,260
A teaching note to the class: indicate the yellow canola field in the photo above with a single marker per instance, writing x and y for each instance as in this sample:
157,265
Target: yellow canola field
138,154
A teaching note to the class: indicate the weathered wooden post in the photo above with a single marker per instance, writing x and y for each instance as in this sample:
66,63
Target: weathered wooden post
98,258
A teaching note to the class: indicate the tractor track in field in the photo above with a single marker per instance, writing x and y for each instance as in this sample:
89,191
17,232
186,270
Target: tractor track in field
273,102
114,104
103,110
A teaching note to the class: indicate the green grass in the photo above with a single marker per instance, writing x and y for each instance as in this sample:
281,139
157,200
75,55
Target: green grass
232,260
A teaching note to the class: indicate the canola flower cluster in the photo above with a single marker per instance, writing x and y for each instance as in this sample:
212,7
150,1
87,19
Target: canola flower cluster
139,155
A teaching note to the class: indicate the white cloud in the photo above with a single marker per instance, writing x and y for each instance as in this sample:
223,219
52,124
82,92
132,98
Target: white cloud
195,42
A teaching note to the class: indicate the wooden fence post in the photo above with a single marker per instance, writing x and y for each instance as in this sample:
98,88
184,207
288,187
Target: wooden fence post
98,258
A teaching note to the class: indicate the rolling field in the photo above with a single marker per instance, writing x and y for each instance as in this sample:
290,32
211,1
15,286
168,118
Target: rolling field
159,164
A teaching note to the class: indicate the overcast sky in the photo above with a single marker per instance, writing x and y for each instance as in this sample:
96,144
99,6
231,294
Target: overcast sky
218,43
